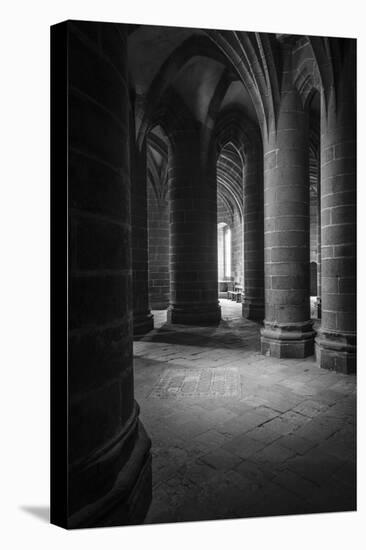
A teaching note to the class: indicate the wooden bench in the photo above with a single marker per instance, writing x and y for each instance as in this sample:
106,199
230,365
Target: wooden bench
235,294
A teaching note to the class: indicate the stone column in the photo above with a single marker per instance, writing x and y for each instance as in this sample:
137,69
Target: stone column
158,225
253,303
287,328
143,320
314,242
193,232
336,340
109,468
319,254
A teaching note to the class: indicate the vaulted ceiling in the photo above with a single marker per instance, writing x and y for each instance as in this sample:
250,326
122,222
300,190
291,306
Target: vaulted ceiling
212,71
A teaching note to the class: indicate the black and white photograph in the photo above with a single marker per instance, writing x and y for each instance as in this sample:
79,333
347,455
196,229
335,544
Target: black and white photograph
209,178
183,262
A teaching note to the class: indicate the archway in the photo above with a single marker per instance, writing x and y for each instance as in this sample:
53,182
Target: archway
313,106
158,218
230,237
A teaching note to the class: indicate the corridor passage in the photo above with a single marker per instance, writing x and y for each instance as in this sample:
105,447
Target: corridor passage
238,434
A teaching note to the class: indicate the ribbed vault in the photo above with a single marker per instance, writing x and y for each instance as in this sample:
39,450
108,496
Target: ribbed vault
211,70
157,162
229,170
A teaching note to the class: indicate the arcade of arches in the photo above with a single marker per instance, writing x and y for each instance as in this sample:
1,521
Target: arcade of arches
203,161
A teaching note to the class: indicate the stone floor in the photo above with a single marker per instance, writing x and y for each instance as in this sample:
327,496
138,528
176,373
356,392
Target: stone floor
236,434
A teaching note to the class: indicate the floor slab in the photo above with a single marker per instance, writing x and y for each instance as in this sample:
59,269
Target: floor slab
237,434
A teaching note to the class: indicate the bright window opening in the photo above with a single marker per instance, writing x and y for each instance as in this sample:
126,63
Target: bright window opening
224,251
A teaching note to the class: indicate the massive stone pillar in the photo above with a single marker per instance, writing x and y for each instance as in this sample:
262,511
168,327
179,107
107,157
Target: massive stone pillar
143,320
253,303
193,232
109,461
287,330
319,253
336,340
314,224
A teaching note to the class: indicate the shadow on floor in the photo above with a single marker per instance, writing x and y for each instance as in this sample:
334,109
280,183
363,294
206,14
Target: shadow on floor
241,334
40,512
237,434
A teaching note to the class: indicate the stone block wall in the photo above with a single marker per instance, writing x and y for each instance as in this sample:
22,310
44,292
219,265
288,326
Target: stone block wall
314,233
314,243
224,215
158,239
234,221
193,230
142,317
237,249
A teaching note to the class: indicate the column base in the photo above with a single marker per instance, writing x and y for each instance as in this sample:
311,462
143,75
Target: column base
142,324
294,341
195,314
336,351
254,311
127,500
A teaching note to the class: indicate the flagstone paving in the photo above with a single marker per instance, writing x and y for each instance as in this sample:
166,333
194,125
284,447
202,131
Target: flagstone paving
236,434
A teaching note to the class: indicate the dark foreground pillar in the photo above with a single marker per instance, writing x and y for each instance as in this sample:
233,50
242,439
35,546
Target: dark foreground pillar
287,328
336,340
143,320
109,461
193,233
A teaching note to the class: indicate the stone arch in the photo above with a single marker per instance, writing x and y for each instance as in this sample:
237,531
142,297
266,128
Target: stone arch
158,217
307,78
254,58
234,128
259,52
230,168
157,162
196,45
229,175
